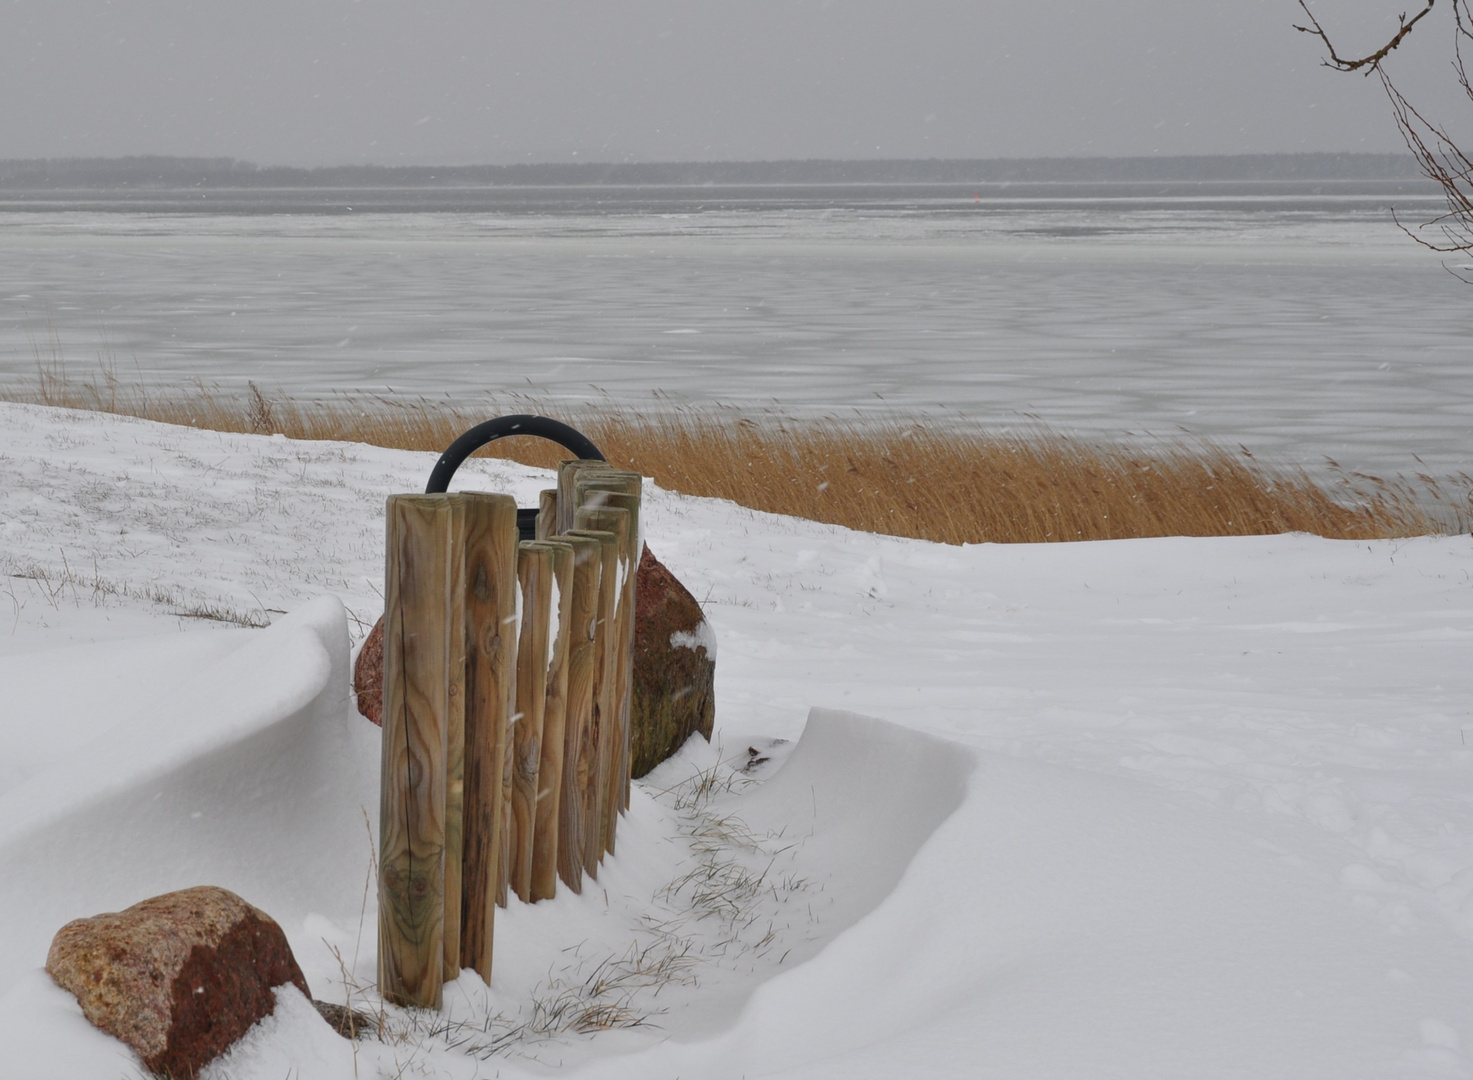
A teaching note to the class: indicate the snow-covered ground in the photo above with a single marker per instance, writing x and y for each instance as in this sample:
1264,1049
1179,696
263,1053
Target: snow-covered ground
1164,808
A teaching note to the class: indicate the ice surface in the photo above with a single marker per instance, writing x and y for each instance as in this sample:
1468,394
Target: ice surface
1298,329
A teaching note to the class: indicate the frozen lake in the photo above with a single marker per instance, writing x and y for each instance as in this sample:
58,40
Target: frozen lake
1302,326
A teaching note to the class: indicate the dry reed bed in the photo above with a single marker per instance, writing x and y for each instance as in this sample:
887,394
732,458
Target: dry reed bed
893,477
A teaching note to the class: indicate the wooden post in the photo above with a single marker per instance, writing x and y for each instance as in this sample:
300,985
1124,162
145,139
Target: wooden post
508,757
577,749
597,741
566,505
586,482
545,837
618,656
546,514
534,651
621,489
490,659
597,491
415,720
573,474
455,630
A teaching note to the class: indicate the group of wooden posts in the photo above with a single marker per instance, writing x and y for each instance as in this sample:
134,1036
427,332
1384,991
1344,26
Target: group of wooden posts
507,675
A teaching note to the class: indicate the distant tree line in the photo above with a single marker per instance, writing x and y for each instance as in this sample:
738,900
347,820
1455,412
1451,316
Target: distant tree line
183,173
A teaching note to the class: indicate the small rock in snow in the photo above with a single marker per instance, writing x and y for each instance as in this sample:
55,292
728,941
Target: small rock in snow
178,977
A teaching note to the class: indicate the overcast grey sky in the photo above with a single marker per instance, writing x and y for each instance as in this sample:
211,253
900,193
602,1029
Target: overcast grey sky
495,81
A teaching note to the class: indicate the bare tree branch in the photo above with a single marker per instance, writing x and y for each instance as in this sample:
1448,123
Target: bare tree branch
1373,61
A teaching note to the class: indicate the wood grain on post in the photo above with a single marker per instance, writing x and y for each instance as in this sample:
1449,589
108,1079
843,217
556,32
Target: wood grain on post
508,774
455,629
596,737
577,752
617,659
545,837
490,575
534,651
415,718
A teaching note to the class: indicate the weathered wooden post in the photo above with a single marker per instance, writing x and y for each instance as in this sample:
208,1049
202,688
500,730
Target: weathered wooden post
616,664
591,485
445,687
596,741
490,615
582,658
416,719
621,491
534,651
545,835
546,514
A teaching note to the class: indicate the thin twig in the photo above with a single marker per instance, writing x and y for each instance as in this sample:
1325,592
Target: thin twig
1373,61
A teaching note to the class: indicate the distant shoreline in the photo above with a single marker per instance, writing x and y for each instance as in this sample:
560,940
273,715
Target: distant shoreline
1420,196
175,174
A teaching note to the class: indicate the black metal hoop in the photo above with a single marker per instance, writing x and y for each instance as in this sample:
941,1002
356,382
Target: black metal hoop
543,427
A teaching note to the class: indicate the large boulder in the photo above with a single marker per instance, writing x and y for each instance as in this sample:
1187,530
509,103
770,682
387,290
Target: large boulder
179,977
674,667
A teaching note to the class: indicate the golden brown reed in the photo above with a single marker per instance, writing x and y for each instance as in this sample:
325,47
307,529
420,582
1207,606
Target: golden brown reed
886,476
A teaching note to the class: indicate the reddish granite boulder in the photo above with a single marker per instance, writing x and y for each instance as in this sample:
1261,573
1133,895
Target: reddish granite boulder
368,675
674,667
179,978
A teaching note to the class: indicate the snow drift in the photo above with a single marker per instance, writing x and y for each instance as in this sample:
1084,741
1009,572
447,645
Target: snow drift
249,774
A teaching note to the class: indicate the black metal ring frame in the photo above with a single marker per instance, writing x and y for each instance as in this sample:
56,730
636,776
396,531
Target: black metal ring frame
543,427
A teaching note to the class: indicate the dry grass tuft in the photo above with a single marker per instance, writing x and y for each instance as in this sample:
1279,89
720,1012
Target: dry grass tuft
968,487
894,477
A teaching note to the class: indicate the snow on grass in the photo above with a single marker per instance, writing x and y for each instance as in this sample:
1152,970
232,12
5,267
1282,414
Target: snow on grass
1161,808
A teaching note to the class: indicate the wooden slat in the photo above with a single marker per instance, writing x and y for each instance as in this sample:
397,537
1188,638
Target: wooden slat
568,473
415,717
598,491
589,480
545,837
508,752
490,601
577,746
546,514
534,570
489,556
455,629
616,664
598,741
622,489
